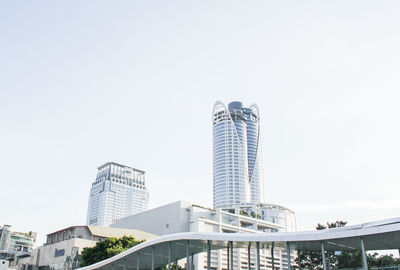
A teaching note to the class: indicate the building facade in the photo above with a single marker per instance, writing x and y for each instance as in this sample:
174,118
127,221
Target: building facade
64,247
12,243
237,164
183,216
117,192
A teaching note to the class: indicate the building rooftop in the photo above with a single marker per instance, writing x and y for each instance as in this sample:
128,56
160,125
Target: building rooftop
120,165
111,232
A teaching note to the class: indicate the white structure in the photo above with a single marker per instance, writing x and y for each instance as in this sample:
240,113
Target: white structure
16,241
4,264
182,216
117,192
237,164
63,248
379,235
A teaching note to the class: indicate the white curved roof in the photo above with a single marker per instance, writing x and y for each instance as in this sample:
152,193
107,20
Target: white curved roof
377,235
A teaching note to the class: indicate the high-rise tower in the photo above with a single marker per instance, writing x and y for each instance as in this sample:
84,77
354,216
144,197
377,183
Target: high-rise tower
117,192
237,164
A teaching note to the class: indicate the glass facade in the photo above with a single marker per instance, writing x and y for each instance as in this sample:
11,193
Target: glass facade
237,169
117,192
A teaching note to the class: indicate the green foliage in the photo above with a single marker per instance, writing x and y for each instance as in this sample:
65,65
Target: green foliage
107,248
243,213
173,267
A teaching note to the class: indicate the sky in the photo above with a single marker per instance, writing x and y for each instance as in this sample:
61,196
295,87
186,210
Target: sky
134,82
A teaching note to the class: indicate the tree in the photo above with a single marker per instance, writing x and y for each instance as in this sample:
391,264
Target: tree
107,248
313,259
173,267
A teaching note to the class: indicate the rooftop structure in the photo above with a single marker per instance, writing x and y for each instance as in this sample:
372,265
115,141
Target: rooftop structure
94,233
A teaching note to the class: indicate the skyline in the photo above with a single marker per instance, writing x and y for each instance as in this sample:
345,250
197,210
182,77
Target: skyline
134,83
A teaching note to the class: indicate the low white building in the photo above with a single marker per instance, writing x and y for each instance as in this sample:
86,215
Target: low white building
183,216
64,247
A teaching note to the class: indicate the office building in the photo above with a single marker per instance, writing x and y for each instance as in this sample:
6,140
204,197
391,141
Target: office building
12,242
237,164
183,216
117,192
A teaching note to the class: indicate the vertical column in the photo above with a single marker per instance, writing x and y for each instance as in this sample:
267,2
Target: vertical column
328,258
112,267
208,254
273,255
258,255
289,263
249,257
152,258
187,256
176,265
323,255
298,259
192,262
231,245
124,265
363,255
227,257
169,255
137,262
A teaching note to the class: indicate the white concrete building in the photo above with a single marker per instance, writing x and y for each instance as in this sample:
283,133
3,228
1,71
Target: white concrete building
63,248
117,192
182,216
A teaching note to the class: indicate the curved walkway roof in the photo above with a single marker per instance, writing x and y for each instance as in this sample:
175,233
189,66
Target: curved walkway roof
379,235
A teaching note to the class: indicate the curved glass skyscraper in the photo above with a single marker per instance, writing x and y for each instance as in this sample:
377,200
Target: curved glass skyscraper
237,164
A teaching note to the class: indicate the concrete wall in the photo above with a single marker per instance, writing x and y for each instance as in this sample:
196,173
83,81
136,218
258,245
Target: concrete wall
170,218
66,256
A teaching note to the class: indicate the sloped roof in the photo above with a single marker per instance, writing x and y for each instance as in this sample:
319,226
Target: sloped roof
119,232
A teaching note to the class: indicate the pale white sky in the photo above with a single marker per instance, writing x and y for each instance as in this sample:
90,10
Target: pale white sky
86,82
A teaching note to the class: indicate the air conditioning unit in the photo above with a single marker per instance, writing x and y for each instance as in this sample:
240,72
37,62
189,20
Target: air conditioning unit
4,264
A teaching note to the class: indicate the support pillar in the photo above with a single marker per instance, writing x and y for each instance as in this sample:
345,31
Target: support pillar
231,246
124,265
228,258
176,265
363,255
137,262
187,256
208,254
273,255
329,260
249,257
288,256
323,255
152,258
258,256
191,262
169,255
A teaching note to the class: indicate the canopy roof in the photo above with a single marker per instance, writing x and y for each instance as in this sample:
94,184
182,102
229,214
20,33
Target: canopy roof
380,235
